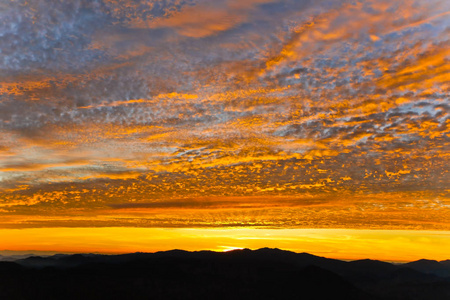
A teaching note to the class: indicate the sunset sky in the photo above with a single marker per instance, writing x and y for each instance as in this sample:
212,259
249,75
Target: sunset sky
317,126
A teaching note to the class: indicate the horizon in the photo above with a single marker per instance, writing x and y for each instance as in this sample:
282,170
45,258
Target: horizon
242,273
344,244
18,255
145,125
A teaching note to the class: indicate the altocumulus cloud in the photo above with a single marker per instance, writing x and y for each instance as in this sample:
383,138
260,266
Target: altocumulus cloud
225,113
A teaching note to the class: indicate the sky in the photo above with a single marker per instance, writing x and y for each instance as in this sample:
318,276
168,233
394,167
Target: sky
256,118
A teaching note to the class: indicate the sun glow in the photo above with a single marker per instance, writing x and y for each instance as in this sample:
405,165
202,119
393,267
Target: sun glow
387,245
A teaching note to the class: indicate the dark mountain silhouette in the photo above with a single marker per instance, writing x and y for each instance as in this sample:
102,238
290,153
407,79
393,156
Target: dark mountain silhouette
430,267
240,274
13,257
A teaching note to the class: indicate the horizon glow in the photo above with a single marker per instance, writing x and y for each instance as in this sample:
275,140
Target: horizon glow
347,244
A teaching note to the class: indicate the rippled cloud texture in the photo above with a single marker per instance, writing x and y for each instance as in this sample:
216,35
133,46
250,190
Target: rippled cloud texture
184,113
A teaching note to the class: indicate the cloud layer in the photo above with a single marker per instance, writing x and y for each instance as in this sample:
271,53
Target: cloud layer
225,113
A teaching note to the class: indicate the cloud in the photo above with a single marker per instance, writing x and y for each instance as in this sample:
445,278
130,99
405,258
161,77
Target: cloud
222,203
125,107
47,36
208,18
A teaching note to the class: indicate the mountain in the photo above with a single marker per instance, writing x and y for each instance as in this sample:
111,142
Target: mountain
14,257
441,269
445,262
241,274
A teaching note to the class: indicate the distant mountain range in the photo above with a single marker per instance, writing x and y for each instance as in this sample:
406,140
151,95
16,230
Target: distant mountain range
240,274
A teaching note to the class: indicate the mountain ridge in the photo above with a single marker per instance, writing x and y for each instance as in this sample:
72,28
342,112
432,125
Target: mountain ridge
266,273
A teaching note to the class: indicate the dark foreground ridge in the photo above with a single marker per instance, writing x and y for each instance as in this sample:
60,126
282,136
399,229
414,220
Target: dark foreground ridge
240,274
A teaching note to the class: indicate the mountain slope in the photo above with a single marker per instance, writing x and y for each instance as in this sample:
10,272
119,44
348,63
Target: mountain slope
241,274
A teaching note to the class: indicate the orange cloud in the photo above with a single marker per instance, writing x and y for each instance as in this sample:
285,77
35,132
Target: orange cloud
207,18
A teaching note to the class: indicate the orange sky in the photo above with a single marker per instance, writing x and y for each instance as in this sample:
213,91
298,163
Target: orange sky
241,116
387,245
